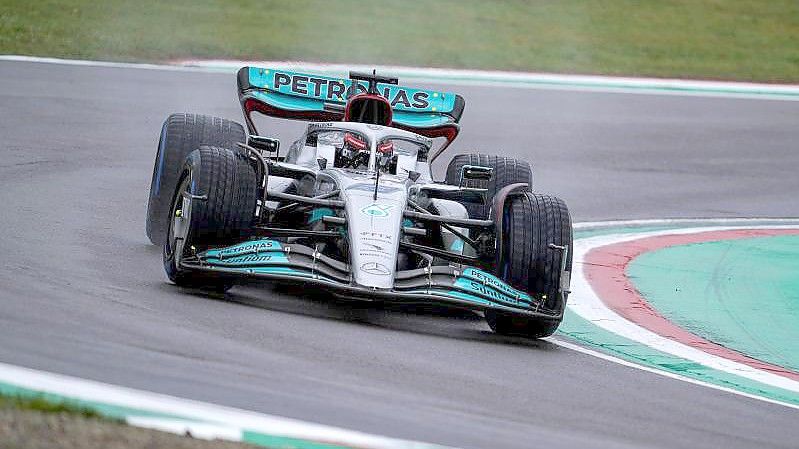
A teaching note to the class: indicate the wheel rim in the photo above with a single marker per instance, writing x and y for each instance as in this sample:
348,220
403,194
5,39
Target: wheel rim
179,220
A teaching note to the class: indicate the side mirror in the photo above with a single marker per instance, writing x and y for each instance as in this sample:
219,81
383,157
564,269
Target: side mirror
263,143
475,172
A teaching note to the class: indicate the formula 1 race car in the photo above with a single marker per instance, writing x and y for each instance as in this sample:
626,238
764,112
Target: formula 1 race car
352,206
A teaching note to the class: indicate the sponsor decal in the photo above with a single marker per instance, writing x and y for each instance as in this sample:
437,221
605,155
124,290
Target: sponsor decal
491,286
375,236
260,245
375,268
248,253
330,89
251,259
323,125
250,247
486,291
377,210
376,254
320,212
376,244
337,90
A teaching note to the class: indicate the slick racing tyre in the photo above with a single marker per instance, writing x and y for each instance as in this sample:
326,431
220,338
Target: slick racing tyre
180,135
213,205
507,171
531,223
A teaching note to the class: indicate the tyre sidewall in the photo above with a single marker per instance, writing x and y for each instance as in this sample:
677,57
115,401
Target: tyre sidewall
531,222
506,171
180,135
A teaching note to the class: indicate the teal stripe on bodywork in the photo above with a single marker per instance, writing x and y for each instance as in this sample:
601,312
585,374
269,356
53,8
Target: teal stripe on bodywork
320,212
254,256
453,294
248,247
416,108
265,78
463,296
484,279
483,289
457,246
420,119
250,260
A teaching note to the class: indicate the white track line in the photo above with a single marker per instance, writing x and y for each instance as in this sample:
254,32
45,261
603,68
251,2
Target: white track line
587,225
117,65
228,418
610,358
545,81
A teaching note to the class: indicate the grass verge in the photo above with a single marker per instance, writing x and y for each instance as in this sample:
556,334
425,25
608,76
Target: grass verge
40,404
39,423
715,39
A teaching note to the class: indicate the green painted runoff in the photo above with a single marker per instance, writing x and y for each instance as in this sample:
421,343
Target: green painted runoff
742,294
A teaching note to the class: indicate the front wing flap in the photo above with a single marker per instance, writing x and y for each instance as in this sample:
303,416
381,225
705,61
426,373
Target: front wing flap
270,259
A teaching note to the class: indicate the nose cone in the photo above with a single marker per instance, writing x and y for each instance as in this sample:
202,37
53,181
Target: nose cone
374,229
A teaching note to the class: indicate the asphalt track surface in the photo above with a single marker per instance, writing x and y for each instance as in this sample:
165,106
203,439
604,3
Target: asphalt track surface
83,293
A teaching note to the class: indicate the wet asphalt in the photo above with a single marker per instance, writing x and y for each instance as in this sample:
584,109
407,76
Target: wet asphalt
83,293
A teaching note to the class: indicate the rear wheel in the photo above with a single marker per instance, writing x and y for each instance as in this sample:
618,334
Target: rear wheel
180,135
213,205
507,171
531,224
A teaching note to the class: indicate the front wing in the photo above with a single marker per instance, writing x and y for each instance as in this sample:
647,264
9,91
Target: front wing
469,288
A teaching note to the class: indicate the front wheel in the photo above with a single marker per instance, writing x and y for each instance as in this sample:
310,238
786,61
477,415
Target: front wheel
180,135
214,205
537,246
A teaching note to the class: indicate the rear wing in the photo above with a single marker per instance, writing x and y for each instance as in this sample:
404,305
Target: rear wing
292,95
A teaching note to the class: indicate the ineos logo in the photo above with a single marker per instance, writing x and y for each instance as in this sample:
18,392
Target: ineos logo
375,268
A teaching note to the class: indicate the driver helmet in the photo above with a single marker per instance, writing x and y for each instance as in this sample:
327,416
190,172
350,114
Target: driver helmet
353,152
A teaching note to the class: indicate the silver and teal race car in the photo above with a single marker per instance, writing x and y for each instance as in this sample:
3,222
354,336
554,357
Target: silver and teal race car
352,206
